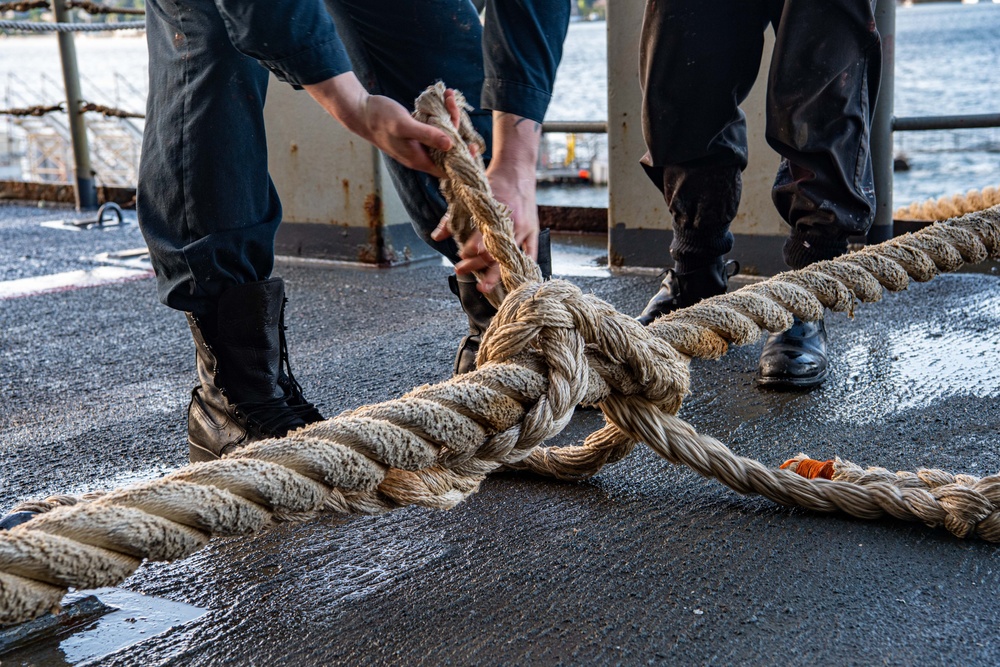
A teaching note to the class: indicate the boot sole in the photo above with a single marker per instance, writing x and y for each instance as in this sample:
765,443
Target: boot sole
198,454
791,382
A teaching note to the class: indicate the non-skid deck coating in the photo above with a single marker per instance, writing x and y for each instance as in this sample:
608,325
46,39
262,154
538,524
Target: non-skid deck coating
644,564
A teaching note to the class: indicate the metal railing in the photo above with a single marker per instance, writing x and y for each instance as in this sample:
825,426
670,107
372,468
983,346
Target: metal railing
899,124
883,126
83,182
954,122
576,126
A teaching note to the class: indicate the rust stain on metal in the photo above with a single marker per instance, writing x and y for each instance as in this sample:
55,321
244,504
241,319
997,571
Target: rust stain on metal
373,211
374,252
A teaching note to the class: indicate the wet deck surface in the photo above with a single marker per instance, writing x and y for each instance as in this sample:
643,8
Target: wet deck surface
646,563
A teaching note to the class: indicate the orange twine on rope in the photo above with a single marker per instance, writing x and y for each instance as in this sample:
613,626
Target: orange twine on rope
811,468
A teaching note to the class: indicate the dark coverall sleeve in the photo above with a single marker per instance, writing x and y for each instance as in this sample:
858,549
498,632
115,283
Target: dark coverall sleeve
294,39
522,47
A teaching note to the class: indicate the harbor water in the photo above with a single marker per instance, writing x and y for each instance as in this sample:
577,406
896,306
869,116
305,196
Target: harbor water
947,62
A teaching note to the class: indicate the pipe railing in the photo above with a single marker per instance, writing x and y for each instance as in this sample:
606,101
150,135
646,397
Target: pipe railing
899,123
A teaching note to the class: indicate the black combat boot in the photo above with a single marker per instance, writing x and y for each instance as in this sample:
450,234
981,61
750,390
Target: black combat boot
480,311
680,290
247,391
796,358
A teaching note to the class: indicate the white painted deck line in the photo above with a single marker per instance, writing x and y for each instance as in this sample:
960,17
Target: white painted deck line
70,280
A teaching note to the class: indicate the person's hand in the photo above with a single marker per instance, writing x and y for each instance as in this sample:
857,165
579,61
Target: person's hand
387,124
513,180
518,193
384,122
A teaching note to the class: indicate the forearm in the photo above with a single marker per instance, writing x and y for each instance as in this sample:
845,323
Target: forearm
344,98
383,122
512,173
515,146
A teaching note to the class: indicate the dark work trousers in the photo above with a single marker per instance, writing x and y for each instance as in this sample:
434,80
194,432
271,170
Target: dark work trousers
698,61
207,207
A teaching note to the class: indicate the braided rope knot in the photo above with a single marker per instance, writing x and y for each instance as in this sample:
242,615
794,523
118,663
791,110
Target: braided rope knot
561,323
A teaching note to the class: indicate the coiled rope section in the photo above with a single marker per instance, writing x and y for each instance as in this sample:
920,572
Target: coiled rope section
549,348
950,206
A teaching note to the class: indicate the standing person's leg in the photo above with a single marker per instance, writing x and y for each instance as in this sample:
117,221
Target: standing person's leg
209,212
822,88
698,61
398,48
207,206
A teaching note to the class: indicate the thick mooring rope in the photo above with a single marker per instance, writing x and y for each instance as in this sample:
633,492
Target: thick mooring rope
550,348
949,207
85,107
35,26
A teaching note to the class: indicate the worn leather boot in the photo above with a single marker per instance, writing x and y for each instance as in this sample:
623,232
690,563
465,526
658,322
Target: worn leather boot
480,311
680,290
796,358
247,391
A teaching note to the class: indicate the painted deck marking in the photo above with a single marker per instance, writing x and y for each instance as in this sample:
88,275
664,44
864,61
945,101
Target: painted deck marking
70,280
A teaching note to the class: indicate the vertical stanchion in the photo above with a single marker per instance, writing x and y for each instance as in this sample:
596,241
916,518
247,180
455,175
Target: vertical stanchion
881,141
83,185
639,224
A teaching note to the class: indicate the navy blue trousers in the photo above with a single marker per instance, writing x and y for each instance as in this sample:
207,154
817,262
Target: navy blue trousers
207,207
698,61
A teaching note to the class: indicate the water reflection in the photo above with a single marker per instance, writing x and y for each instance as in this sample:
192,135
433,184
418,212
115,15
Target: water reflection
948,354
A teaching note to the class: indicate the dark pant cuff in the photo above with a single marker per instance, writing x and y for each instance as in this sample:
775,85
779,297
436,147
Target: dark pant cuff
801,250
695,251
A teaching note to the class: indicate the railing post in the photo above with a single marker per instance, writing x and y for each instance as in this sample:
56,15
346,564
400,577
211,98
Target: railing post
881,138
86,193
639,224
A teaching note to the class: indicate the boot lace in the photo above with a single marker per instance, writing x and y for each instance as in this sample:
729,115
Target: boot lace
296,401
270,417
276,416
